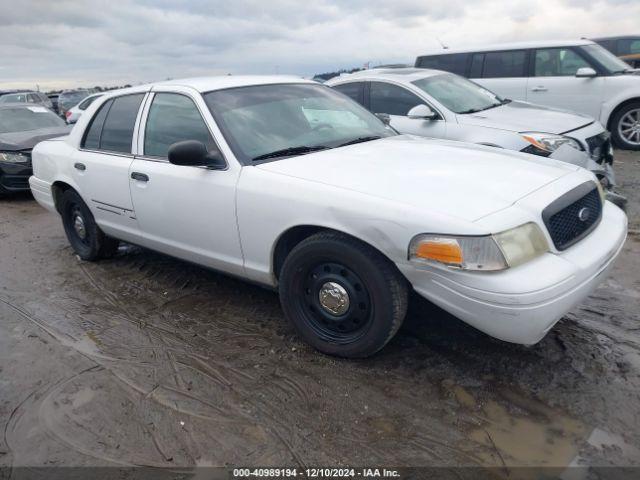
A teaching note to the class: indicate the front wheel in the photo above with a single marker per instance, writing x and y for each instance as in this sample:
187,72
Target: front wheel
342,296
84,235
625,127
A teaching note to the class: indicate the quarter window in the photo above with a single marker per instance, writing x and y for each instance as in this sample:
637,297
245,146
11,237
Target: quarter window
92,137
391,99
558,62
504,64
117,132
173,118
454,62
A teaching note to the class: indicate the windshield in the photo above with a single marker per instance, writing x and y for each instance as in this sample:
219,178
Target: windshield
14,98
263,119
70,99
607,59
27,119
458,94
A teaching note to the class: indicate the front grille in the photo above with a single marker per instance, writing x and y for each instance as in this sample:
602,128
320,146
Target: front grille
14,182
600,147
574,215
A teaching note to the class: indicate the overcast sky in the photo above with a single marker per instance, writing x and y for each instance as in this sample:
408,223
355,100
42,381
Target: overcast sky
62,44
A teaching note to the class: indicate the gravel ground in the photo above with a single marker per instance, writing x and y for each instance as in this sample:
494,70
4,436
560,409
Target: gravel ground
146,360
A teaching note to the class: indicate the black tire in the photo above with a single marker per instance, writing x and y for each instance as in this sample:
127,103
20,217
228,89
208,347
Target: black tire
93,244
376,291
622,119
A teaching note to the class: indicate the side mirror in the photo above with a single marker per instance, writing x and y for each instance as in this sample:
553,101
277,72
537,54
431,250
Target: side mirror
422,112
193,153
586,72
386,119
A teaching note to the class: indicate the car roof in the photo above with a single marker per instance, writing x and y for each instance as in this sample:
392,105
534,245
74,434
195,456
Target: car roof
20,105
511,46
617,37
397,74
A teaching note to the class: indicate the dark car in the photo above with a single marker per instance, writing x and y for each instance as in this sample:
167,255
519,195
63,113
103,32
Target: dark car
22,126
34,98
70,98
625,47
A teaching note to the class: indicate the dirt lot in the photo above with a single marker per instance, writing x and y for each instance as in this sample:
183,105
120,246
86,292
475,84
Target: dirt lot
146,360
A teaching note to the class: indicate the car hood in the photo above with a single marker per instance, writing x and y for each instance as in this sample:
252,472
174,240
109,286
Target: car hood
526,117
453,178
27,140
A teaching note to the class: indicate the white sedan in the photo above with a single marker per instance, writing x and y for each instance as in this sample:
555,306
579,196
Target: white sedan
73,114
289,184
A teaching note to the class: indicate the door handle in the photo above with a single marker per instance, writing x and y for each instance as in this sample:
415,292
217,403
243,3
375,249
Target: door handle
539,89
80,166
141,177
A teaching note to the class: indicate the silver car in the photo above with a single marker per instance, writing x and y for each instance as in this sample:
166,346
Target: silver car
433,103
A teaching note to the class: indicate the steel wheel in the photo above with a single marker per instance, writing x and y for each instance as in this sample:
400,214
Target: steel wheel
336,303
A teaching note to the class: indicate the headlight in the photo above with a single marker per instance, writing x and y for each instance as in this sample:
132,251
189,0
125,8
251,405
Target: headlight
13,157
547,143
491,252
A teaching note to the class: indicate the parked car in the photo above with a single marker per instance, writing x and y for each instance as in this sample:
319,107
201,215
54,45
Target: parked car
70,98
579,76
21,127
289,184
433,103
54,101
626,48
34,98
73,114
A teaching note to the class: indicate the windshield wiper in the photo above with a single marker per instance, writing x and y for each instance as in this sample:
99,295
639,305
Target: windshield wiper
359,140
476,110
284,152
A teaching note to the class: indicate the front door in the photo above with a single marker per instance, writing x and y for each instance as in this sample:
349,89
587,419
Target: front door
554,82
101,166
188,212
396,101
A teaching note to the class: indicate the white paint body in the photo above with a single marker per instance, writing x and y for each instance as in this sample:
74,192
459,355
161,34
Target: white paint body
383,192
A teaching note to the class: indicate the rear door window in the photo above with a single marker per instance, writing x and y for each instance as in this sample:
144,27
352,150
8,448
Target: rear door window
117,132
558,62
392,99
477,62
628,46
504,64
353,90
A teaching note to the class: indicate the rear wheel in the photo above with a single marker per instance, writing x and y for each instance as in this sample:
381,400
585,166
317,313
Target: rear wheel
342,296
84,235
625,127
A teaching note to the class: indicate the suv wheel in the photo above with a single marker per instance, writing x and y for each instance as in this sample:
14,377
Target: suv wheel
84,235
625,127
341,295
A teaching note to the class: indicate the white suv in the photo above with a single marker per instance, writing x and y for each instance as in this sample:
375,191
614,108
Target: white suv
580,76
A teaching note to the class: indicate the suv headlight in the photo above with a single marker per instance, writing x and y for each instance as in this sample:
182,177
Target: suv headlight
13,157
547,143
487,253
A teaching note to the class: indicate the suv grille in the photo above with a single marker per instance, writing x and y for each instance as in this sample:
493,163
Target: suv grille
574,215
600,147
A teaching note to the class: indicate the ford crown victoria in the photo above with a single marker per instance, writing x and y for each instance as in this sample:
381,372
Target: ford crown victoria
292,185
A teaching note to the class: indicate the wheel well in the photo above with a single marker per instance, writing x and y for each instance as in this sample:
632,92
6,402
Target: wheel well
617,109
58,189
287,242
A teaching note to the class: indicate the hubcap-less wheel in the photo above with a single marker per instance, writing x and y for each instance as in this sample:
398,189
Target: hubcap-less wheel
629,127
336,303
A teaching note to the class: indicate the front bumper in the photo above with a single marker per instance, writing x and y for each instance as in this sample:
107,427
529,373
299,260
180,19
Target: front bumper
14,177
522,304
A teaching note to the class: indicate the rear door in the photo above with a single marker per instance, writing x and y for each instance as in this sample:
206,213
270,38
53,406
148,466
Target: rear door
101,165
502,72
185,211
396,101
554,83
